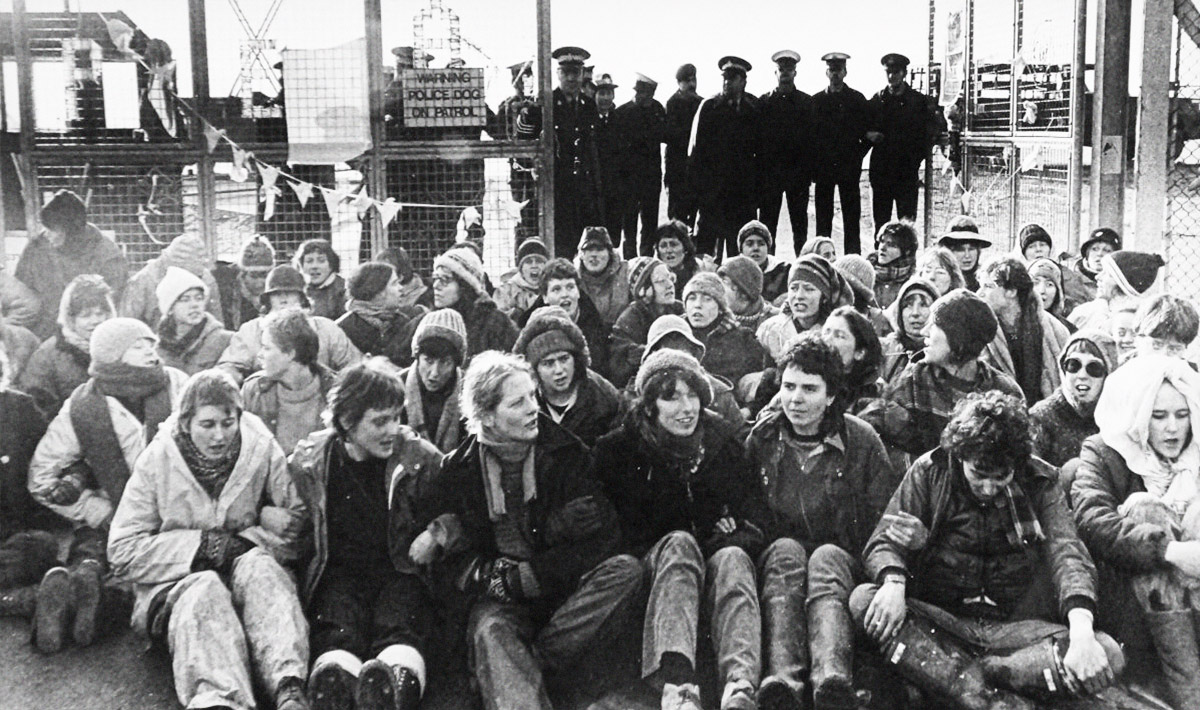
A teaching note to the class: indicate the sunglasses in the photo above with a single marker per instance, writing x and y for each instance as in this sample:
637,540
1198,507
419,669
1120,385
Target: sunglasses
1094,369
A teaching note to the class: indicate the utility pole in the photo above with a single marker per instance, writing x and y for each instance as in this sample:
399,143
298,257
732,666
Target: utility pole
1109,108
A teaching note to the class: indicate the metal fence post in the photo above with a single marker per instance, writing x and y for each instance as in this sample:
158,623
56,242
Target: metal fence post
375,177
205,179
546,96
24,59
1078,92
1153,128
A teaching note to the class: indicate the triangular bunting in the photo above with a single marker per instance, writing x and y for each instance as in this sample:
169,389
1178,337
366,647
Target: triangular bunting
303,192
362,201
269,192
212,136
240,172
121,35
388,209
513,208
333,198
966,202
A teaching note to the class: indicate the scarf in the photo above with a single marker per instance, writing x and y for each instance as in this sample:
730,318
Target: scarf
491,452
1028,339
898,271
93,425
76,341
211,474
175,344
685,452
1022,529
446,436
381,316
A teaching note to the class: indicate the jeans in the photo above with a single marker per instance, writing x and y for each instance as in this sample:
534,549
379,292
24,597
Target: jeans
217,633
677,573
366,613
512,643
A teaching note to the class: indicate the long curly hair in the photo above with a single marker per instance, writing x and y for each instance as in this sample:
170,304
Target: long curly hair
990,429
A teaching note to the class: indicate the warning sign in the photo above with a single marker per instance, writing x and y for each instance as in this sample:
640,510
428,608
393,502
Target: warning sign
434,98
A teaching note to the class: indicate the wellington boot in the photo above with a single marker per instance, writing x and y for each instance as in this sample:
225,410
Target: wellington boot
924,655
85,597
1174,639
18,601
53,613
290,695
831,648
1037,670
331,687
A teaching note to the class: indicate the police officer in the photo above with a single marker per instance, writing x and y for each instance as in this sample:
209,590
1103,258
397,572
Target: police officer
900,133
577,202
644,128
612,156
513,120
787,117
681,111
840,116
723,160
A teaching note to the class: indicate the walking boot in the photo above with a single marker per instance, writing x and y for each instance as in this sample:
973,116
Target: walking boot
924,655
85,597
290,695
53,612
1037,670
25,557
332,681
18,601
392,681
831,648
1174,639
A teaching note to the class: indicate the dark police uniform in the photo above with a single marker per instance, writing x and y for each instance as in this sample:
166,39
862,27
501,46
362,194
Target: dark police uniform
840,121
611,152
786,166
513,120
643,129
723,165
681,112
577,201
905,118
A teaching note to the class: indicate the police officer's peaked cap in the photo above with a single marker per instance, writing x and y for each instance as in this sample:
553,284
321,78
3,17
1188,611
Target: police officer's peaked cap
894,61
571,55
643,79
732,63
605,82
785,55
835,58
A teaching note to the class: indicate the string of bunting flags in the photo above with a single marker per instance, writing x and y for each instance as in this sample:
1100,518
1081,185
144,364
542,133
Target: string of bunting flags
245,162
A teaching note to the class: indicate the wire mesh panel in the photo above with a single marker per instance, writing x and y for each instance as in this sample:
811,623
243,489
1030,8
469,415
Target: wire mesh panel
990,74
1043,189
1183,183
1047,53
990,175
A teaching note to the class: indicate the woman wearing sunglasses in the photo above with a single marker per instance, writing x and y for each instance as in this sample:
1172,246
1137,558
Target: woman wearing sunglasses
1064,419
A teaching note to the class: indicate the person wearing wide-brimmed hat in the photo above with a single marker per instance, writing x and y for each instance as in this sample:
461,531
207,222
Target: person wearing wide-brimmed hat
964,240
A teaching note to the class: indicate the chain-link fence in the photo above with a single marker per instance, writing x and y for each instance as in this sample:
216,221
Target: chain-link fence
1182,240
415,147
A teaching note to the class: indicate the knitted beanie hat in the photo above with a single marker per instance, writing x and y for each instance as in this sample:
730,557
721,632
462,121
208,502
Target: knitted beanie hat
444,323
641,273
856,268
189,252
532,246
813,245
966,319
751,229
1094,342
113,337
1136,272
550,330
466,267
686,367
666,325
745,275
595,238
257,254
174,284
369,279
1032,233
711,285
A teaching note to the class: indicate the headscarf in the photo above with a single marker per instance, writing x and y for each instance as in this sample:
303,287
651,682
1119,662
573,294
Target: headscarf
1048,268
1123,415
895,313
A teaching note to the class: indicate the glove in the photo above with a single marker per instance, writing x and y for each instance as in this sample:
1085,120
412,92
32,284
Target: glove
496,579
576,520
218,549
65,491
